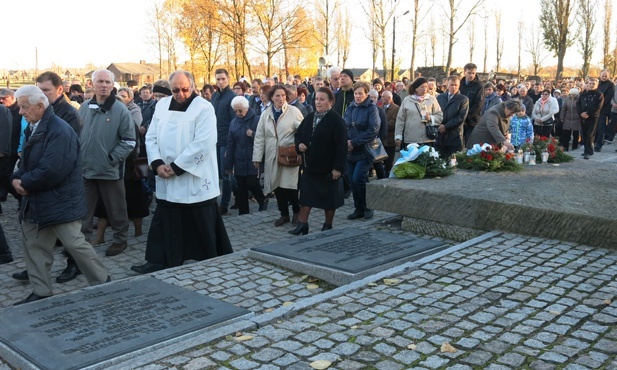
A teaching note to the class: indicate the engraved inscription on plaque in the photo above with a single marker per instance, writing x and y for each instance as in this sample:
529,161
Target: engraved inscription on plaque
350,250
88,327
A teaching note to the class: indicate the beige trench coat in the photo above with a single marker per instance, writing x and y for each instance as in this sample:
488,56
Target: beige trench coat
266,144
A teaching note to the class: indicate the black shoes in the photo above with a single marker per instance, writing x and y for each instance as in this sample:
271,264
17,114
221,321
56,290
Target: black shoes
264,205
115,249
586,156
368,214
70,272
147,268
6,259
355,215
301,228
21,276
224,210
326,227
597,149
31,298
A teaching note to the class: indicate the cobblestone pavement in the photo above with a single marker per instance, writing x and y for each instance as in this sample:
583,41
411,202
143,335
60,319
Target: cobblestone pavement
506,302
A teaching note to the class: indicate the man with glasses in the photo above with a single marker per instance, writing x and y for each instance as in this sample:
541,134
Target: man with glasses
181,146
221,101
107,138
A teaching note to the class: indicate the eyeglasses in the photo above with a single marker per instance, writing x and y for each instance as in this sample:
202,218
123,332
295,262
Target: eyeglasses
184,90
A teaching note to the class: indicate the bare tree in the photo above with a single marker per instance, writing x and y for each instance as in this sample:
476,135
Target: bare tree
379,18
521,32
536,49
471,31
344,37
234,26
608,15
455,23
432,35
499,40
416,19
328,14
555,22
586,22
485,43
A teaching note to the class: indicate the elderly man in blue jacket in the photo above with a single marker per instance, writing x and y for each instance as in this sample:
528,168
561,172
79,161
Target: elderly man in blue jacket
49,180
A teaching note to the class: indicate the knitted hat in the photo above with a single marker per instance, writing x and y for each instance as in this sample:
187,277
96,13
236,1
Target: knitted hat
574,91
347,72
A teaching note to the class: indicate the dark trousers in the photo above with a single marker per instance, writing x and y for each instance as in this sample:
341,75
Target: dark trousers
601,129
564,139
466,133
542,130
612,127
588,131
7,166
357,171
389,162
284,197
5,251
246,184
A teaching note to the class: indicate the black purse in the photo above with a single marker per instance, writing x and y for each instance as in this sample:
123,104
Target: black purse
374,150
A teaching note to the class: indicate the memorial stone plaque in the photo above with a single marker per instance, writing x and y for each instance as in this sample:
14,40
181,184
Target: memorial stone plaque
85,328
353,253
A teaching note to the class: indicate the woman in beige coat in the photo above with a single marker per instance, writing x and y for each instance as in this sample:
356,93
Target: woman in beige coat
417,110
277,127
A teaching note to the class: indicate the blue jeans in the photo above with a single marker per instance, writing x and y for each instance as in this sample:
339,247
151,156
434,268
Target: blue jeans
357,171
227,179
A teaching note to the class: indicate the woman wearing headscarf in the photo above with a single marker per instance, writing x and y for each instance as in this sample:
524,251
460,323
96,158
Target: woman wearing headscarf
322,140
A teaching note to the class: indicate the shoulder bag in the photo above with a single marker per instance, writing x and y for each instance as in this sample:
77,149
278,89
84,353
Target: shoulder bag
431,131
287,156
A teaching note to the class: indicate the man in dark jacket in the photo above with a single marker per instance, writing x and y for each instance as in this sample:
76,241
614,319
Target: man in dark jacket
51,85
454,106
49,179
221,100
344,96
7,98
6,120
147,105
526,100
607,88
472,89
589,105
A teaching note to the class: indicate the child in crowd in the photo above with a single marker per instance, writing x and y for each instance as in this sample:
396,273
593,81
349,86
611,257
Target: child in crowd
521,129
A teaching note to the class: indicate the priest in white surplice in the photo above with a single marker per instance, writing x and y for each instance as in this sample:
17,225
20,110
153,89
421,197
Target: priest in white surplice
181,147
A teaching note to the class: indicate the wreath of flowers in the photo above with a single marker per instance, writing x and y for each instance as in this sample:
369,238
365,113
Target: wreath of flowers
420,162
487,157
541,144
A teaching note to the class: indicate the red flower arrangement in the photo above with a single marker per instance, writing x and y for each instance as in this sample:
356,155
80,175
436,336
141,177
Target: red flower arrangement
556,153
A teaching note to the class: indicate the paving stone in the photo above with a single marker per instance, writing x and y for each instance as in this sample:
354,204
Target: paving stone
553,357
513,359
267,355
479,358
244,364
388,365
350,365
286,360
605,345
541,365
347,349
407,357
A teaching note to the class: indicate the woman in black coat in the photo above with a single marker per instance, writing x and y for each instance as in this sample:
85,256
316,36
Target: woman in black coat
322,140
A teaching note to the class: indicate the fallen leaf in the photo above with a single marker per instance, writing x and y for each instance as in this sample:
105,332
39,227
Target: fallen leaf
269,309
320,364
312,279
286,304
607,301
354,326
556,313
391,281
304,277
411,346
312,286
244,338
238,334
447,347
372,284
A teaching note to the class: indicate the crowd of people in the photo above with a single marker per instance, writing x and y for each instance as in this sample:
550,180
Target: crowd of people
69,155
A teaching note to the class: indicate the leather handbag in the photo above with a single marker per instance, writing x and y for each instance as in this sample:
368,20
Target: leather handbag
374,150
140,168
431,131
288,157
